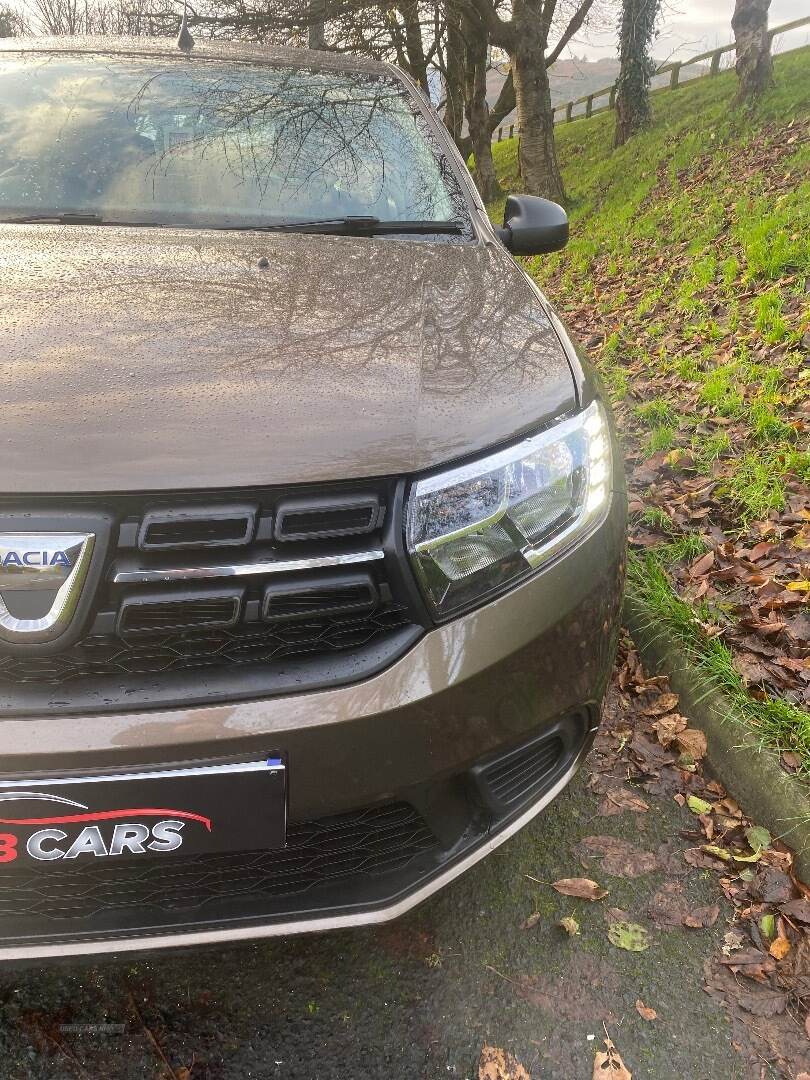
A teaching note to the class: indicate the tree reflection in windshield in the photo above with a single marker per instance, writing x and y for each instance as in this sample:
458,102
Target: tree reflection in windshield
214,143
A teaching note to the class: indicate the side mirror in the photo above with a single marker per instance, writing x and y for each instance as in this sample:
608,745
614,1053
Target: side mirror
533,226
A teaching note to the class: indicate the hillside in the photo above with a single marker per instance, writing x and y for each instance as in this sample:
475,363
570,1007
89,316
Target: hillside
687,278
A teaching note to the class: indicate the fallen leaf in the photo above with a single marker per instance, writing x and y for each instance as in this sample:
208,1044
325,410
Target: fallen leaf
608,1064
615,914
738,856
582,888
629,936
790,760
780,947
570,925
750,962
771,886
767,925
799,586
664,703
532,920
702,565
700,918
674,456
698,806
668,727
692,742
718,852
758,837
497,1064
763,1002
728,807
668,905
620,799
619,858
644,1011
798,910
701,858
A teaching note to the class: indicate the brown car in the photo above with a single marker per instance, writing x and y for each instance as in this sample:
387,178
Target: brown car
311,520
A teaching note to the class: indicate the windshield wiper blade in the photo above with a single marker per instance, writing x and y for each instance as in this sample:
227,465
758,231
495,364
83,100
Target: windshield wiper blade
359,226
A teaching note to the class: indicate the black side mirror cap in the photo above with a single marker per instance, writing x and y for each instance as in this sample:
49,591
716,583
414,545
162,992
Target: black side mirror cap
533,226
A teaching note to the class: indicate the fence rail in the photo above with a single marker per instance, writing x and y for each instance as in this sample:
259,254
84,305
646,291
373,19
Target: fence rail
674,68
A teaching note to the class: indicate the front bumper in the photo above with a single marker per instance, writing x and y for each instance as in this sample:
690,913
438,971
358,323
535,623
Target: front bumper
389,789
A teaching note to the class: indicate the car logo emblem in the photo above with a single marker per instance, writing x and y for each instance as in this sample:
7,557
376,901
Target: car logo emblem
41,580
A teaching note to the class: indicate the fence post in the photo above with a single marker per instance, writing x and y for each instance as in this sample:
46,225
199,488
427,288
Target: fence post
673,79
716,56
568,112
511,131
500,133
612,98
589,105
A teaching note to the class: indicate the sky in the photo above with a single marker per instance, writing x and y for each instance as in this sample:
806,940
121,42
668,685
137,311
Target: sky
689,27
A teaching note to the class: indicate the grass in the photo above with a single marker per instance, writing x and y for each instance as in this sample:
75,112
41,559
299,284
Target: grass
690,255
776,723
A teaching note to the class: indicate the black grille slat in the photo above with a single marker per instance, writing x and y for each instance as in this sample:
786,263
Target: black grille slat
191,533
360,844
319,596
153,613
197,527
303,602
327,522
318,519
179,616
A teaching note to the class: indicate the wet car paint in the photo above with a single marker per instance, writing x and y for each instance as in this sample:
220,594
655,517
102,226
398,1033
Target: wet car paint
147,359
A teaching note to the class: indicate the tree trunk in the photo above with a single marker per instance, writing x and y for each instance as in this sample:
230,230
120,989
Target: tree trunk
317,25
477,110
636,32
754,62
454,83
537,155
414,45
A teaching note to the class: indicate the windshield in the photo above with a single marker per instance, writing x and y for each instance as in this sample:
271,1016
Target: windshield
212,143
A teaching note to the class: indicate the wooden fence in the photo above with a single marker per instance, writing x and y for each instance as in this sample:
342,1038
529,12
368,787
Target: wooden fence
564,112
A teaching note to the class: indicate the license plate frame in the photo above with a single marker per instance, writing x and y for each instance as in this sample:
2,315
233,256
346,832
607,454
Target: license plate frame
145,813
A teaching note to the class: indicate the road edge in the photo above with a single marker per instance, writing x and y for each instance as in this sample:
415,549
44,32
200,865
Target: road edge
752,774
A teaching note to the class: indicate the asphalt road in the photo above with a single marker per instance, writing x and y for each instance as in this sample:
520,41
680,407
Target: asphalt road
414,1000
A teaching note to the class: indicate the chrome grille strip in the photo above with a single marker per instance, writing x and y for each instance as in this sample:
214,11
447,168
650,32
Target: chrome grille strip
276,566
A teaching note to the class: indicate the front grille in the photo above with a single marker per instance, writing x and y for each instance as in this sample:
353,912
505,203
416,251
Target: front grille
206,598
352,848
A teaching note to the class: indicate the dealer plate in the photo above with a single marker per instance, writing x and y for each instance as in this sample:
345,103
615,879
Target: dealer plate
192,811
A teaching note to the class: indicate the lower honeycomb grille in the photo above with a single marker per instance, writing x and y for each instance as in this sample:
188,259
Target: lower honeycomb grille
176,652
354,847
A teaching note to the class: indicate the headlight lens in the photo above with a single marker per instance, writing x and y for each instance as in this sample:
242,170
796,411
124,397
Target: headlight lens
478,528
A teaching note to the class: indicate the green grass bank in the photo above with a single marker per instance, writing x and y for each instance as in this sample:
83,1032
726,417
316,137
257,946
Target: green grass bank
686,277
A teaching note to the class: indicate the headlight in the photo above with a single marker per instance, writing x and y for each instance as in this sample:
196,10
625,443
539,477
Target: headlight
474,530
